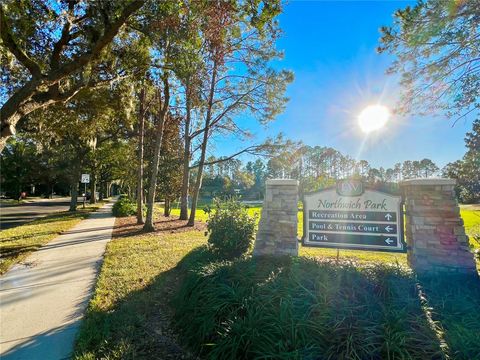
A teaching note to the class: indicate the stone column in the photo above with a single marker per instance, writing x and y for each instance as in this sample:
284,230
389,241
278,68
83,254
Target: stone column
277,229
435,234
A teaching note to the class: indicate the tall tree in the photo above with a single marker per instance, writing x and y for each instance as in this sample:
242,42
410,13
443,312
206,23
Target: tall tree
466,171
141,134
51,51
79,130
234,35
163,99
428,168
437,47
169,184
166,28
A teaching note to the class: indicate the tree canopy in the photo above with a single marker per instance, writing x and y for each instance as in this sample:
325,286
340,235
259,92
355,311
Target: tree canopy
52,50
436,45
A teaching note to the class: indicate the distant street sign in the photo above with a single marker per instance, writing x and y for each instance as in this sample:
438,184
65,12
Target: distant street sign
350,216
85,179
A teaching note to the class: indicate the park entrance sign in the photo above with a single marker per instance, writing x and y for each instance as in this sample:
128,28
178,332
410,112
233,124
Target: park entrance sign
350,216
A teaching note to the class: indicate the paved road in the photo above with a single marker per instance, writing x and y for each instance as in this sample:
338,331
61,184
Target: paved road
43,299
14,215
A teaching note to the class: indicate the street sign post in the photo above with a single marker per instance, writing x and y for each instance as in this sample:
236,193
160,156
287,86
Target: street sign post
85,179
352,217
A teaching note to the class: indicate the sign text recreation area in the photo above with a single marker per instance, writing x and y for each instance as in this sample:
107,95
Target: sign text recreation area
350,217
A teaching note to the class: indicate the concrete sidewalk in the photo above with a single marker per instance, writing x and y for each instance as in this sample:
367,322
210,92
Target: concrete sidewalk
43,299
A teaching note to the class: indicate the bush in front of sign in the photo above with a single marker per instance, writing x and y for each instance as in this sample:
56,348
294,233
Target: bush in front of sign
124,207
230,229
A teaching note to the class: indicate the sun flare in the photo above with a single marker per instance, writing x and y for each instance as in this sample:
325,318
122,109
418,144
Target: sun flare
373,117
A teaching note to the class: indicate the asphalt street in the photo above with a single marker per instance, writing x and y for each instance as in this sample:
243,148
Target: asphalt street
14,215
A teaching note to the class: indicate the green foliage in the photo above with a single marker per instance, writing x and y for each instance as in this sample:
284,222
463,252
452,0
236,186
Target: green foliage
65,43
300,308
466,171
231,230
436,47
124,207
170,182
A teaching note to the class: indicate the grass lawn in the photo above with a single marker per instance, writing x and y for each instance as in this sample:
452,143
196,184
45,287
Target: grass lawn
128,316
10,202
160,294
18,242
471,220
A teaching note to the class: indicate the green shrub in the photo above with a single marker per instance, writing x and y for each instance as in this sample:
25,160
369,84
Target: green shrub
124,207
230,228
300,308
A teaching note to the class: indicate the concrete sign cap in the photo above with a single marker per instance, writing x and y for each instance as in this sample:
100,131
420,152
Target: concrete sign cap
282,182
430,181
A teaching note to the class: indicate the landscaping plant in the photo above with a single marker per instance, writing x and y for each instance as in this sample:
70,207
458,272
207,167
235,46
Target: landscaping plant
230,229
124,207
301,308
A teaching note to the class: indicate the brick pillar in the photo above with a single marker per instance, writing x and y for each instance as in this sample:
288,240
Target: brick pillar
434,229
277,229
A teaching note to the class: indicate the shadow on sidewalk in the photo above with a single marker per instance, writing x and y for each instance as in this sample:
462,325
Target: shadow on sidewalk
46,345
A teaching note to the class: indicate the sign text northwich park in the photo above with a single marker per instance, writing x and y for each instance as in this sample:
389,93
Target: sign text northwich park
351,217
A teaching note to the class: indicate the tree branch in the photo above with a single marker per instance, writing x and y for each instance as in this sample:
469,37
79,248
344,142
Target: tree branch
254,149
64,38
99,45
11,45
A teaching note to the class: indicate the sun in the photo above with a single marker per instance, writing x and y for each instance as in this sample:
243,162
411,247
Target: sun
373,117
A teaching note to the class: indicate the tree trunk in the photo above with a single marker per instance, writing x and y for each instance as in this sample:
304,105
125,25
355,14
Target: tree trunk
208,118
196,191
13,110
186,160
141,129
73,200
93,189
3,140
101,192
166,210
185,186
156,156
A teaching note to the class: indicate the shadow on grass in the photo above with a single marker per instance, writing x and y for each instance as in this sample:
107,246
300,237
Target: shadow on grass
455,305
138,326
62,215
304,308
288,308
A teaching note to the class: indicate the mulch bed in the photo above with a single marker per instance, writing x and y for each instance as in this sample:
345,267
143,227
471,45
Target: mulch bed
127,226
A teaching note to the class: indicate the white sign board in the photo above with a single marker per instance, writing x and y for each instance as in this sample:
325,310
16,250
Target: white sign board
85,178
370,220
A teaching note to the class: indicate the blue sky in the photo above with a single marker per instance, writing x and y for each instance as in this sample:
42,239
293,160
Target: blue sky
331,48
